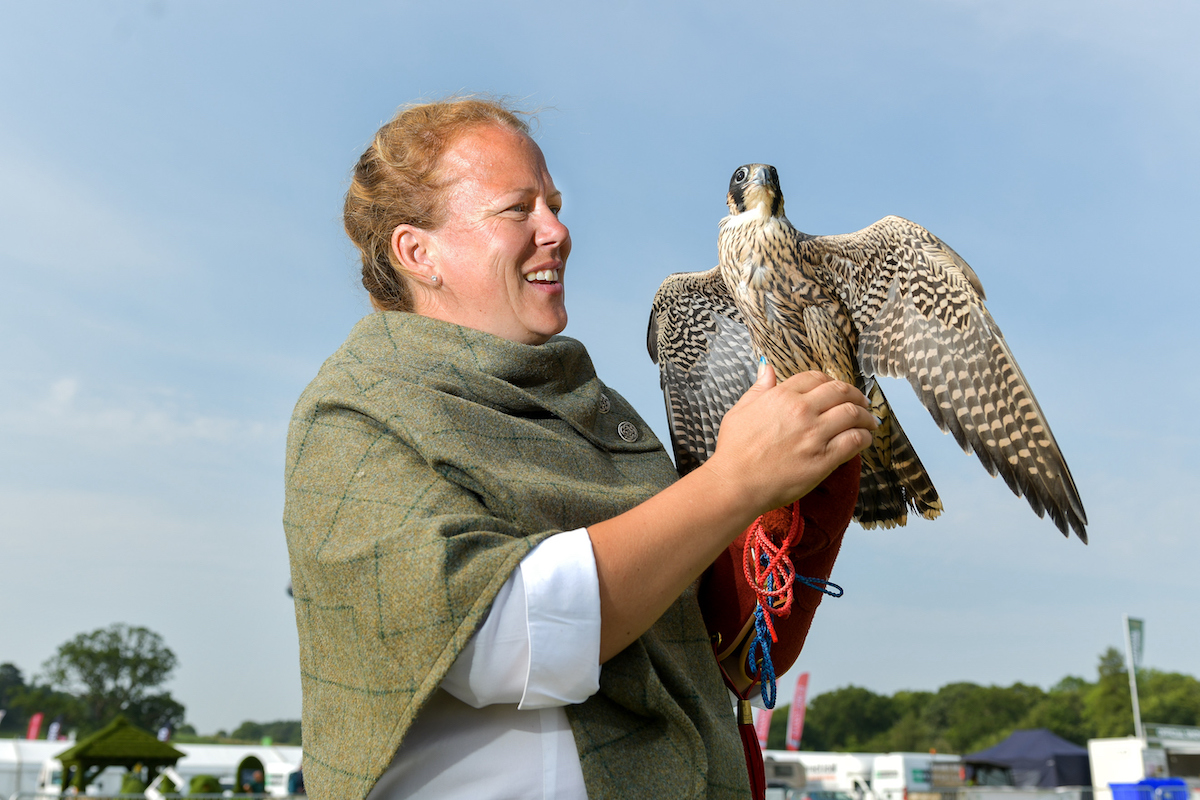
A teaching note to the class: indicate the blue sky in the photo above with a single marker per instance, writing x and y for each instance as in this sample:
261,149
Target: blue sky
174,273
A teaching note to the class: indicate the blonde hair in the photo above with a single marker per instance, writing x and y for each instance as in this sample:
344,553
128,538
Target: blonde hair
398,180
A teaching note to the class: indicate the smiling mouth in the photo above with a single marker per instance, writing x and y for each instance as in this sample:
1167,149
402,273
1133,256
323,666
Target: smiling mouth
543,276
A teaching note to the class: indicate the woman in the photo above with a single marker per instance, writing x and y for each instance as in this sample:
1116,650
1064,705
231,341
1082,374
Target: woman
493,559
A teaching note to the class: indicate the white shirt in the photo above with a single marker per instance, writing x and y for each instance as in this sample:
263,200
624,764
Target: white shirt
496,728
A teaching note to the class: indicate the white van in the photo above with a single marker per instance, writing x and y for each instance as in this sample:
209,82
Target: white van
849,773
916,776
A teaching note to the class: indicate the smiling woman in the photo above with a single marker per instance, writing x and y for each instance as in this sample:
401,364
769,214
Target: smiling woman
497,262
493,560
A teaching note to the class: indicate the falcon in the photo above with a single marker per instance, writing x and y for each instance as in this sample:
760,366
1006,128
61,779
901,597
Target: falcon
891,299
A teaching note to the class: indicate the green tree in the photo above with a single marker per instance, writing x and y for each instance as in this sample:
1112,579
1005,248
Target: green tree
26,700
1107,705
281,732
1062,711
1169,698
965,716
847,718
114,670
11,683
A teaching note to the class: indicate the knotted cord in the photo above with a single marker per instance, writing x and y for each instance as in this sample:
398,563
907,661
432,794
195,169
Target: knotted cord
769,571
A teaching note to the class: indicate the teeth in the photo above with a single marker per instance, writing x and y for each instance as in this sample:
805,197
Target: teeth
543,275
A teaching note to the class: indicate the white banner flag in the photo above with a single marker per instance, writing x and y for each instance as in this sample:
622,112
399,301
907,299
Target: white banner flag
1136,636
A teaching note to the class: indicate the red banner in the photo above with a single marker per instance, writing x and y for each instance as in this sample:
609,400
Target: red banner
762,725
795,725
35,726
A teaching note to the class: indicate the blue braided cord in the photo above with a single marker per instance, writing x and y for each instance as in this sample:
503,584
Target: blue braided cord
762,641
828,587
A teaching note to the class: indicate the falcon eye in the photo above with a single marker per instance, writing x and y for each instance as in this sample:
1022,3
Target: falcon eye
740,175
774,175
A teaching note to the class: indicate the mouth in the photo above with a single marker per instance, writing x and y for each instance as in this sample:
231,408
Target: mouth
543,276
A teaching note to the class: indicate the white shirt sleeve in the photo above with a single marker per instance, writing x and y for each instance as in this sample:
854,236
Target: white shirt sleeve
540,644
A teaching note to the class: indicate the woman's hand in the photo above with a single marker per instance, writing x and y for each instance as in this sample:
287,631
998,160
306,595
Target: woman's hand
781,440
775,445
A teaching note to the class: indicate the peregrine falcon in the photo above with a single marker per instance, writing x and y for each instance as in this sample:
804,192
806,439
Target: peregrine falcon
891,299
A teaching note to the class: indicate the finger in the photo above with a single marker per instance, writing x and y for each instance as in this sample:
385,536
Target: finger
807,381
849,443
845,418
766,374
765,381
826,394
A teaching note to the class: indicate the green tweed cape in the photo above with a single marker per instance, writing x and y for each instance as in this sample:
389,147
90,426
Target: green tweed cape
423,463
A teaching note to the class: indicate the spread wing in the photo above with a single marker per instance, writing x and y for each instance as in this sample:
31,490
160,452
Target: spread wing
917,309
705,360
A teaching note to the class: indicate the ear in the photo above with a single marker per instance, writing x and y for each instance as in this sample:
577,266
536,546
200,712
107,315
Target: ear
410,247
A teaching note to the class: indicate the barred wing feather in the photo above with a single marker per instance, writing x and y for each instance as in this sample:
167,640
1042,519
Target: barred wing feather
918,312
706,362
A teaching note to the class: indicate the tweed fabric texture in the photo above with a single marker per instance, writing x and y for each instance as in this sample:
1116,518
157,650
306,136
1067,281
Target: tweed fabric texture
424,461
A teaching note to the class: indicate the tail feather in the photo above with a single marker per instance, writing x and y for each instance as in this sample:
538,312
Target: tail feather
893,478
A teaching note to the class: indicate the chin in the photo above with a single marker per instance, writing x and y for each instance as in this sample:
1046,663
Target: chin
551,327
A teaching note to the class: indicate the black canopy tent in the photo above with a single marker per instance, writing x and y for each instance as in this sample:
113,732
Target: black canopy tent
1037,758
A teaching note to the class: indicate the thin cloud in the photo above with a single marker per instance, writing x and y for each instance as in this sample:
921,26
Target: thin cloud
64,410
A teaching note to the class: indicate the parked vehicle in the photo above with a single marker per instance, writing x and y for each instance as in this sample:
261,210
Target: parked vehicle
916,776
846,773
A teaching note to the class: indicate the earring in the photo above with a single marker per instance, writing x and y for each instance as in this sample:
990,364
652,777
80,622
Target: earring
435,279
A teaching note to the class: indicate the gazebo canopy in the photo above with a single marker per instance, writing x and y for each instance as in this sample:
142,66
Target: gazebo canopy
1038,758
118,744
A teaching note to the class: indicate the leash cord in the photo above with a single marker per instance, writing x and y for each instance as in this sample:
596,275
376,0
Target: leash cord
770,572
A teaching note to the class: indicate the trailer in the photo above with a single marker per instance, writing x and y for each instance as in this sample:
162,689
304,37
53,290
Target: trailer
916,776
785,775
848,773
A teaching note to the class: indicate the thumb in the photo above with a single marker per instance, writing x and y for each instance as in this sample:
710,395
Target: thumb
766,377
765,382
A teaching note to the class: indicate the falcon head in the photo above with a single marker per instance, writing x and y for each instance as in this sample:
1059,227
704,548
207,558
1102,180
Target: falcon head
755,188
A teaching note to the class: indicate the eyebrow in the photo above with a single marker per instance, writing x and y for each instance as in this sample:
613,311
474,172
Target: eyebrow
507,195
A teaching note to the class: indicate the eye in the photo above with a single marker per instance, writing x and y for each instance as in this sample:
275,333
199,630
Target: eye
774,175
555,210
740,175
520,208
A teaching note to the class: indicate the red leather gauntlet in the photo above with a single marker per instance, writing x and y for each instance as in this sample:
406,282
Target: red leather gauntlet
728,601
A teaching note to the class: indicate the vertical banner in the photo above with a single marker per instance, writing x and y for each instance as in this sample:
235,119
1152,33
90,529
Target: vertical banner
762,725
52,731
1135,635
1136,632
35,726
795,723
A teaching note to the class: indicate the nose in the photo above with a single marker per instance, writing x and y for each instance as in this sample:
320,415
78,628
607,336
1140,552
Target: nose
551,231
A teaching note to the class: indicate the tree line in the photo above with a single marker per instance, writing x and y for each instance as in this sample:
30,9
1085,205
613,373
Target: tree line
115,670
966,717
120,670
91,679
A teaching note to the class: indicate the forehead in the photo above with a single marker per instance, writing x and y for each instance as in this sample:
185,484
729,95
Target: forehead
497,158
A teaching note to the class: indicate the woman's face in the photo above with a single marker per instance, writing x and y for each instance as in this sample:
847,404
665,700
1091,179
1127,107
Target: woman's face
501,252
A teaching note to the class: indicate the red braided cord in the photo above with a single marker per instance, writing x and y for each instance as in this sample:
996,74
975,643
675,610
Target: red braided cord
779,566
